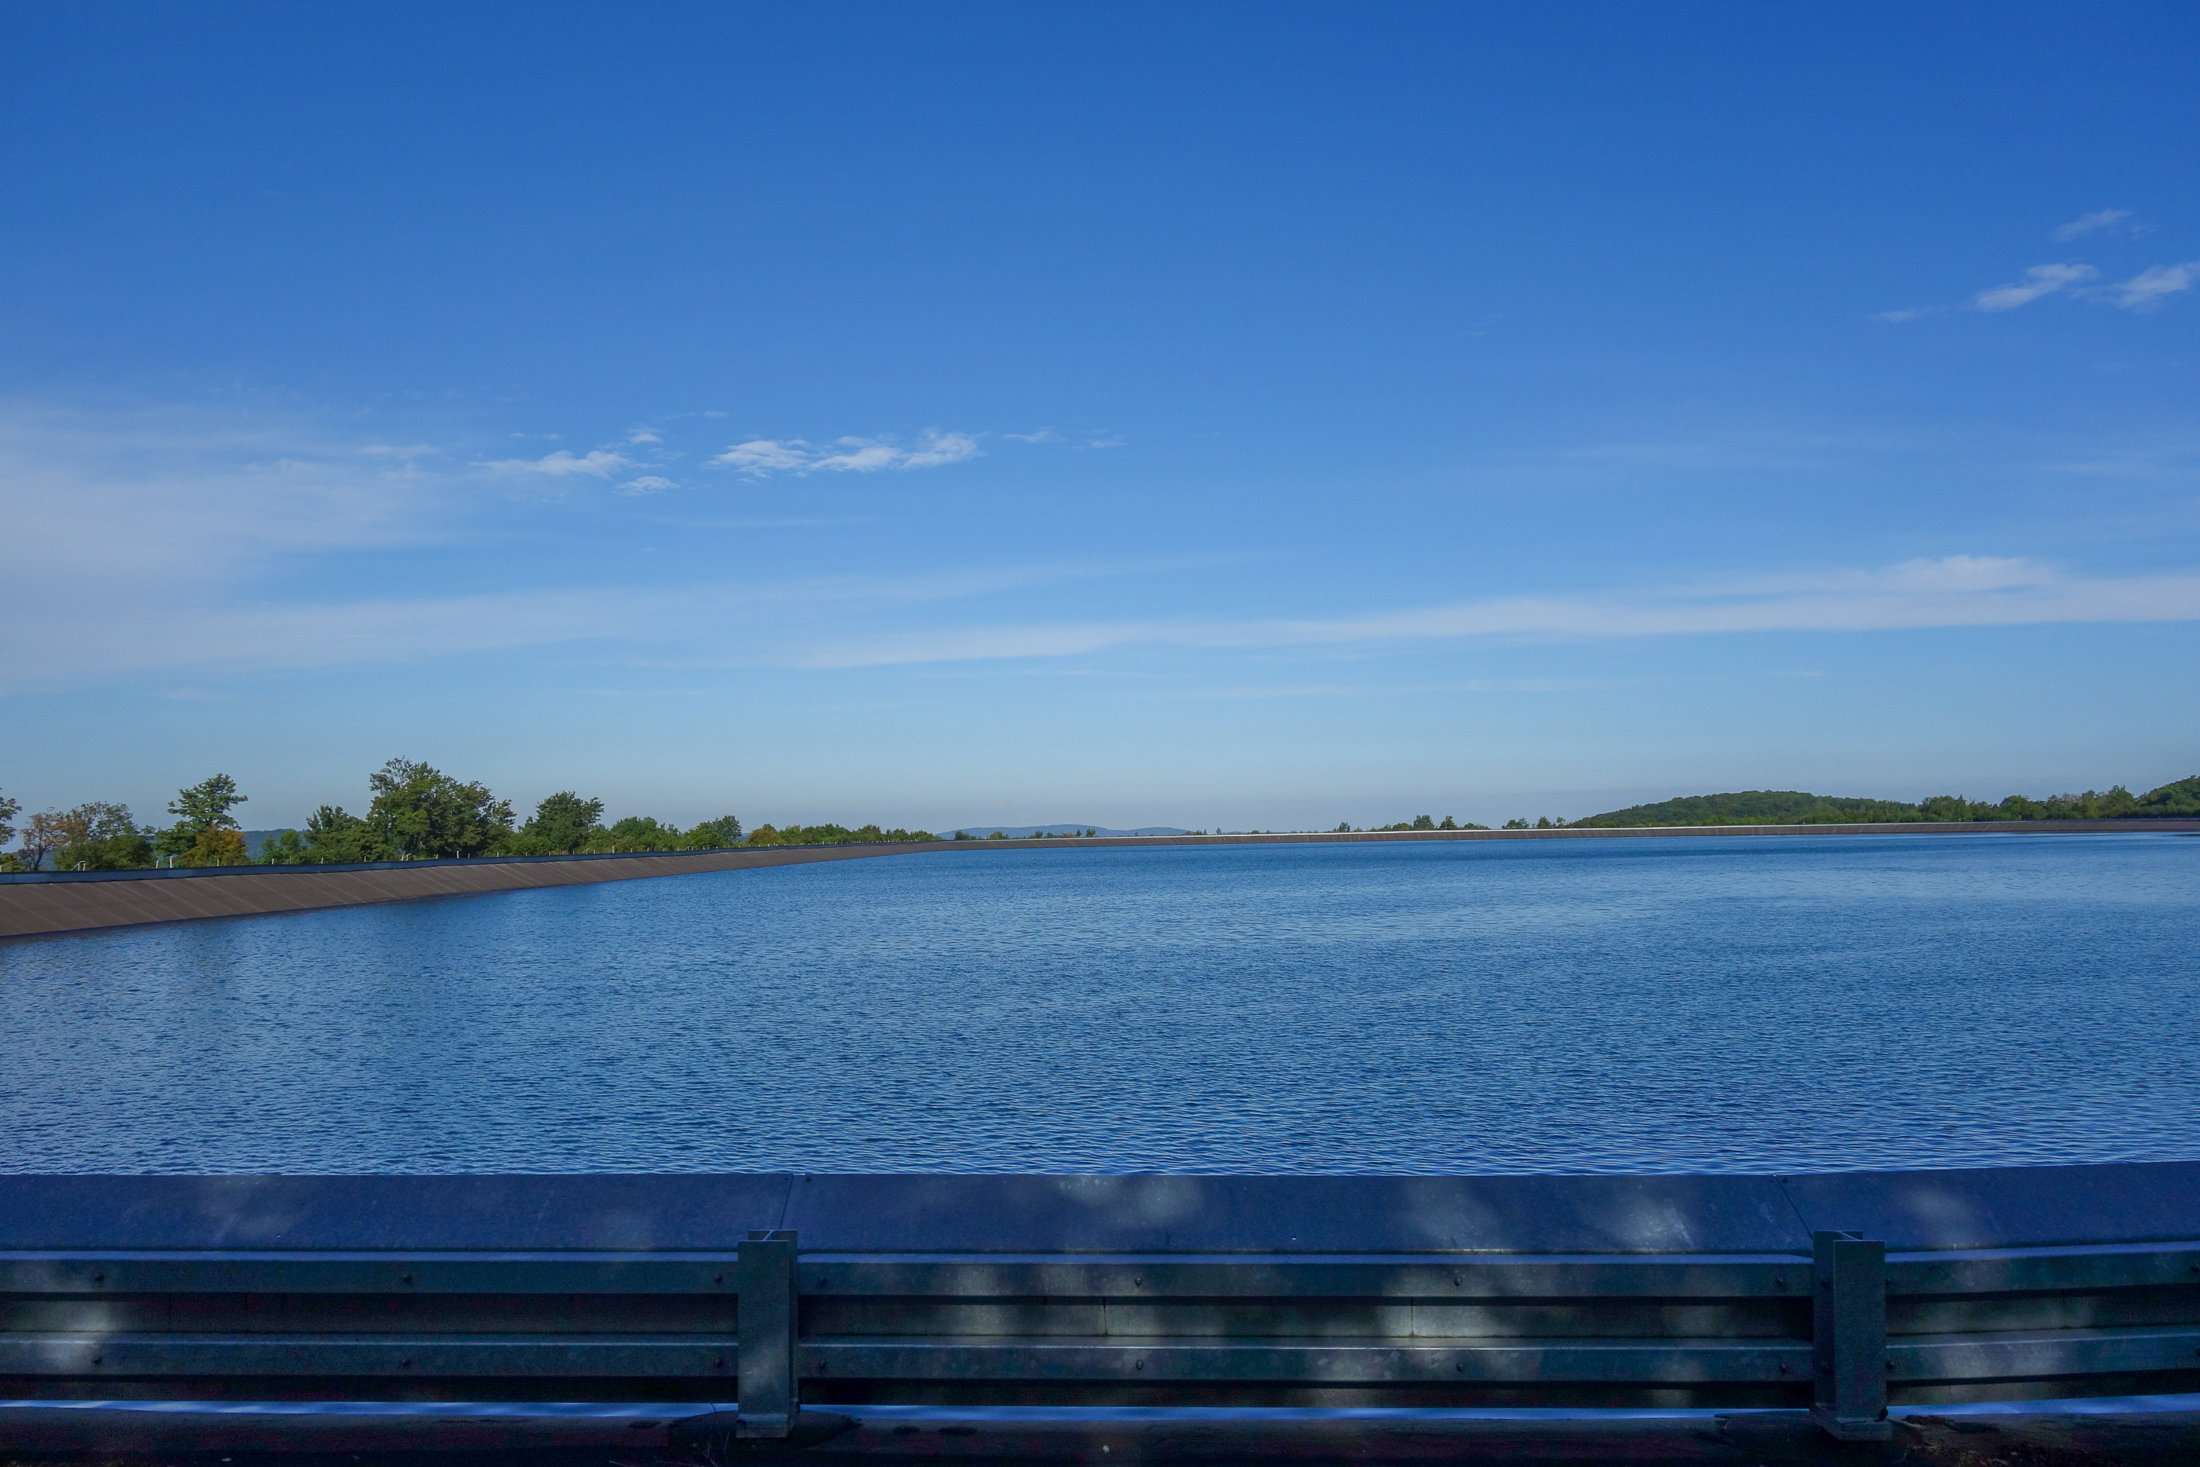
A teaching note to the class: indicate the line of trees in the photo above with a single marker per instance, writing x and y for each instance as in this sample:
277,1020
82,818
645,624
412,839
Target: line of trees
101,836
2180,799
414,812
417,812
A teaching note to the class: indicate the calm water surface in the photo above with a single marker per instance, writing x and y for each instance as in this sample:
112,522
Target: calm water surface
1536,1006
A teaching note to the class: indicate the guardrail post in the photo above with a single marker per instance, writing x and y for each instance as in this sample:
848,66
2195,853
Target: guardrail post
1849,1336
769,1394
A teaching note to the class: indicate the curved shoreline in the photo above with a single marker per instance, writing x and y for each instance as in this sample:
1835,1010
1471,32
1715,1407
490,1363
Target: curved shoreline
50,904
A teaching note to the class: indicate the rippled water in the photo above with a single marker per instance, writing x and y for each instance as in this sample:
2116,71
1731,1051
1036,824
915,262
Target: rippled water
1549,1006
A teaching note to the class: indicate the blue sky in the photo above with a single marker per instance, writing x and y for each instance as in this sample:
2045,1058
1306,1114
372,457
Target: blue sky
1255,415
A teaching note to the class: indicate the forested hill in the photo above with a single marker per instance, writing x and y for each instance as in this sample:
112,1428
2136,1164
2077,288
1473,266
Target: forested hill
1799,807
1757,807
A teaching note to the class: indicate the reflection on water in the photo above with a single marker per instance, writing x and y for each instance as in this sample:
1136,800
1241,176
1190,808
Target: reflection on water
1756,1005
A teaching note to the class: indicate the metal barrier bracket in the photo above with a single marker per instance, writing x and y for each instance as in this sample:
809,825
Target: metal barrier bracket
1849,1337
770,1397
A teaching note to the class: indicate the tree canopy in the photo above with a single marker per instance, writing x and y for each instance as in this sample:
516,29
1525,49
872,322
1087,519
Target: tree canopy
1799,807
205,833
562,824
422,813
98,836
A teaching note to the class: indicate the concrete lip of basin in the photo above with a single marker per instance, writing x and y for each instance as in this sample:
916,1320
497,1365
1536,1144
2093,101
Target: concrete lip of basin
2140,1431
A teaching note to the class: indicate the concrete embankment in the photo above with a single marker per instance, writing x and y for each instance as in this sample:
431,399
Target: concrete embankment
86,901
54,903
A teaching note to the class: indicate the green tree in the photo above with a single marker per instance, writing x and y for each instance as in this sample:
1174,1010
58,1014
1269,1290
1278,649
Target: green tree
200,810
218,847
284,848
715,835
334,837
639,833
2181,799
9,809
562,824
99,836
1944,808
422,813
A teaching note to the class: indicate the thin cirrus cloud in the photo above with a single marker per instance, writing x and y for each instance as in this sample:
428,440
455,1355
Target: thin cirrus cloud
2150,287
2039,282
153,501
596,464
2142,292
761,457
117,638
1958,591
873,618
1094,438
2093,223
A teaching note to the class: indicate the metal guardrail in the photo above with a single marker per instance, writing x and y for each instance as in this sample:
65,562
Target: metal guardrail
1108,1291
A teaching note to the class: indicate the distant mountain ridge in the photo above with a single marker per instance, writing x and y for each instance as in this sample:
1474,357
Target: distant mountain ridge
1800,807
255,841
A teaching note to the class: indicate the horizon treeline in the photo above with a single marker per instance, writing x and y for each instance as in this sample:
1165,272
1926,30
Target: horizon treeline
417,812
414,812
2178,799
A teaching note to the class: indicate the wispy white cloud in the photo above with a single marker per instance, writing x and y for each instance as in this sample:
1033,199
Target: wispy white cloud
2150,287
1403,690
2091,223
2039,281
259,637
2143,292
868,455
564,463
781,624
1958,591
164,547
759,457
1732,452
647,484
640,436
146,501
1039,435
